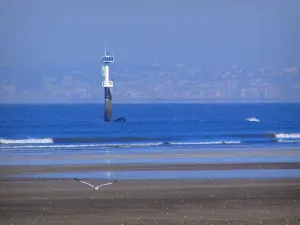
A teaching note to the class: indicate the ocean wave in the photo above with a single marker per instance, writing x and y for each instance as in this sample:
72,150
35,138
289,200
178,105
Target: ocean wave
99,140
208,139
205,143
27,141
112,145
289,141
75,140
108,145
288,135
219,137
252,119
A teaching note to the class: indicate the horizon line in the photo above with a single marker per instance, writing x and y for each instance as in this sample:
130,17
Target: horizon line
150,102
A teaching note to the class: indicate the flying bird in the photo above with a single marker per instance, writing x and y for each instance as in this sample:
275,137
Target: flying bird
96,187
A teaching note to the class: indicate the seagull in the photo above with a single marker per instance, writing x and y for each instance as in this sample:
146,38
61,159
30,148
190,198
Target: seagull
96,188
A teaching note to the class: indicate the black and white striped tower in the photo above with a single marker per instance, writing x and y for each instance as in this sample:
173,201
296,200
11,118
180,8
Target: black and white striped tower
107,84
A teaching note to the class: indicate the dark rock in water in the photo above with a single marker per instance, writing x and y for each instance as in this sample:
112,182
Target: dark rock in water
121,119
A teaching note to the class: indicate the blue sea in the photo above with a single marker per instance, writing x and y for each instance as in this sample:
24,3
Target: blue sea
152,133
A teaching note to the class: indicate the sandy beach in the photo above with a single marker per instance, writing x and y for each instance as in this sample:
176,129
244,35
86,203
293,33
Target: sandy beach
65,201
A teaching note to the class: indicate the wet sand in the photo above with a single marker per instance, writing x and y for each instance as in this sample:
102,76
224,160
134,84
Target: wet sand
65,201
32,169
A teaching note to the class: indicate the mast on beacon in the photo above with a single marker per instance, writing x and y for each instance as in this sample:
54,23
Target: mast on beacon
107,84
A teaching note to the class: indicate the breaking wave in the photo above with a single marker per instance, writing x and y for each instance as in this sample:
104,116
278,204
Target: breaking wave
289,141
205,143
76,146
27,141
128,142
288,136
50,143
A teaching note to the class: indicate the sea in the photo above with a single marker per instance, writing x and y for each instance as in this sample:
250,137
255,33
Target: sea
44,134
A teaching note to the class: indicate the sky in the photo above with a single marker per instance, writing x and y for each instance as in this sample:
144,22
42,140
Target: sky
72,34
35,32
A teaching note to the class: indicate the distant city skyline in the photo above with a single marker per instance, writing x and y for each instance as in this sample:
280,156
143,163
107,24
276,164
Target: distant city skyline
164,50
155,83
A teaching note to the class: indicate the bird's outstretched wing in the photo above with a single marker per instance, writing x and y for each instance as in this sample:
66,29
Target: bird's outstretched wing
101,185
84,182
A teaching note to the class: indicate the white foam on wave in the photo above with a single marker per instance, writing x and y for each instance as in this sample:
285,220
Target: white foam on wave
289,141
79,146
27,141
252,119
139,144
44,144
288,136
206,143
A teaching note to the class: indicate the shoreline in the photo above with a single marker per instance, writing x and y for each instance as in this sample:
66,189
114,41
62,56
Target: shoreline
32,169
